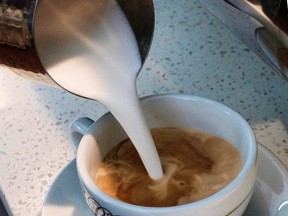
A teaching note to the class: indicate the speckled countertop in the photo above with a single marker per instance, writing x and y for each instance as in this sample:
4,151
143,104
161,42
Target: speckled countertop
192,52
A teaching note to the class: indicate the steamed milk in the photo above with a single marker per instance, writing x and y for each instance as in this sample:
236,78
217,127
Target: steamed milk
103,66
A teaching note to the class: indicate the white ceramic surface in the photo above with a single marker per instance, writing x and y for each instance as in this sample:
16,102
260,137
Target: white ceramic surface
65,197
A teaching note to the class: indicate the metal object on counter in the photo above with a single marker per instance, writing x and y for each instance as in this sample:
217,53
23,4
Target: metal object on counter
261,24
17,25
15,22
17,49
16,39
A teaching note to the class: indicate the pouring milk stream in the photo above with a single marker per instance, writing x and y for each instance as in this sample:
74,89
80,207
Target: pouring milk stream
100,60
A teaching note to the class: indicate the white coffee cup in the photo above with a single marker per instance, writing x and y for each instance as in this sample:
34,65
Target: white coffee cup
172,110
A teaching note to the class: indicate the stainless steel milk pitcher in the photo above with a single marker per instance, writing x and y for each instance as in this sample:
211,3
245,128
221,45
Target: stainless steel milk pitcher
261,24
17,25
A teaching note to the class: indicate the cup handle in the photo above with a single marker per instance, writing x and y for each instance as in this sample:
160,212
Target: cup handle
78,128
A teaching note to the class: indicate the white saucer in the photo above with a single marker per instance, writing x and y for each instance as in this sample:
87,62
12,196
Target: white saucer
270,197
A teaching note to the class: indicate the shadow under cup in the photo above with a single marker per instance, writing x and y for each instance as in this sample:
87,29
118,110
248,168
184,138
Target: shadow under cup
182,111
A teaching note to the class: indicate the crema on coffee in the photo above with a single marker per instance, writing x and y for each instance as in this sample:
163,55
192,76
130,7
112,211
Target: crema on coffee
195,164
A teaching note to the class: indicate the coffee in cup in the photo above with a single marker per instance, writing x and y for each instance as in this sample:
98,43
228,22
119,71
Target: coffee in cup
196,165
